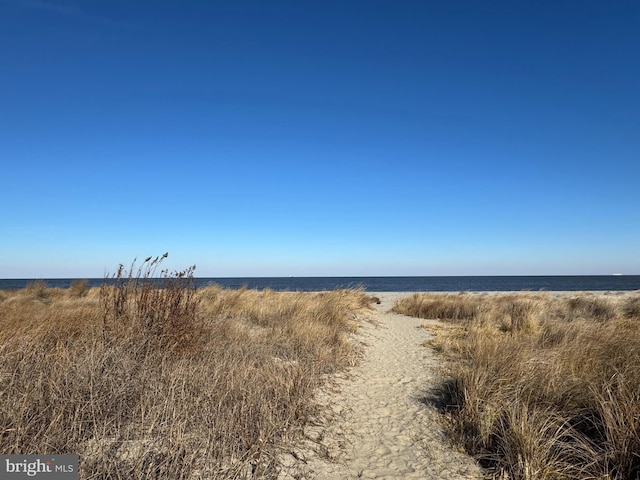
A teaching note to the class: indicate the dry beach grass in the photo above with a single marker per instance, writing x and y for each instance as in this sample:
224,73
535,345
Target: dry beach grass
150,378
541,385
162,381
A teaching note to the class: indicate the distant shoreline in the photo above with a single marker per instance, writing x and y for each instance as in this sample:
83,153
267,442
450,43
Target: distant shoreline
573,283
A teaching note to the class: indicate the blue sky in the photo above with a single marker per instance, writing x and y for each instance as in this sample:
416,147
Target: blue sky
268,138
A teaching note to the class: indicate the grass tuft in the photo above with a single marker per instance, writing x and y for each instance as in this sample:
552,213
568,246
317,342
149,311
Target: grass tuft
37,289
160,312
78,288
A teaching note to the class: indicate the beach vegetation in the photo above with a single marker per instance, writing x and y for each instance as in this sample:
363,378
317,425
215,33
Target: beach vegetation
541,386
78,288
148,377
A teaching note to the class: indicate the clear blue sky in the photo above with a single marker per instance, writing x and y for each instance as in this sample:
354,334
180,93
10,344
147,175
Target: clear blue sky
260,138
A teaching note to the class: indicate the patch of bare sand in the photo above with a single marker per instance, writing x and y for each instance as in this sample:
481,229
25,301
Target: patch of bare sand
379,425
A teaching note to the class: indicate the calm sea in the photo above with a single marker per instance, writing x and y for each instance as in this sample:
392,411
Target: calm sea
399,284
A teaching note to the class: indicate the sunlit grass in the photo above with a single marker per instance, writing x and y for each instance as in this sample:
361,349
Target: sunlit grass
541,386
159,380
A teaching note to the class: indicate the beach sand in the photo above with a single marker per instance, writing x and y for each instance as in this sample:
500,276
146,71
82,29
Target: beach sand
380,424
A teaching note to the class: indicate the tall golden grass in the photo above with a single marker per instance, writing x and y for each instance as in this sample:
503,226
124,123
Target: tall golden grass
542,386
157,380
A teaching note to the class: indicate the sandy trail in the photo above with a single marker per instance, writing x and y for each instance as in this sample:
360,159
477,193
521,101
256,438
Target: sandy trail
381,427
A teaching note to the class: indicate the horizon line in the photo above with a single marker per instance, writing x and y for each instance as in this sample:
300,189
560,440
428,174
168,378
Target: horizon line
353,276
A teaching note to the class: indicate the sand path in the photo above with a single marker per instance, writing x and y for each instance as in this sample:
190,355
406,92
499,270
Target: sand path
381,426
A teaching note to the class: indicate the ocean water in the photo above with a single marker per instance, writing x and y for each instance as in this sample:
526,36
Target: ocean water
399,284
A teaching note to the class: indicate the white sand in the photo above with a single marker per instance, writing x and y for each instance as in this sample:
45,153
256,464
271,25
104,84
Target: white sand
381,427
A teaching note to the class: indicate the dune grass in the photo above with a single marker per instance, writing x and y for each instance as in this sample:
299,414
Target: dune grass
541,386
148,377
